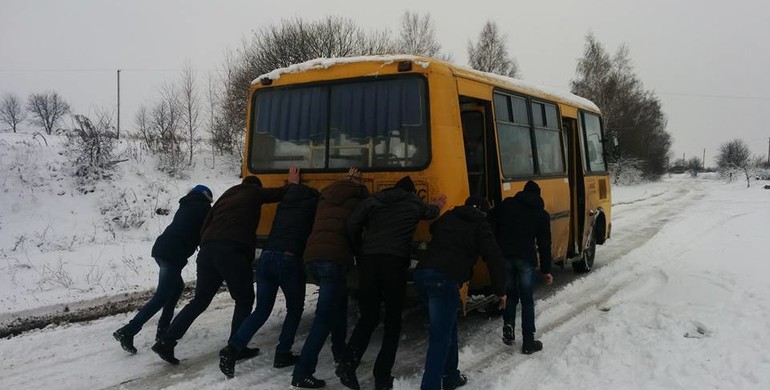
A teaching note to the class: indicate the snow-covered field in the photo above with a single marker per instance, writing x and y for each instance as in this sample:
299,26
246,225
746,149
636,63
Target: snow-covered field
678,300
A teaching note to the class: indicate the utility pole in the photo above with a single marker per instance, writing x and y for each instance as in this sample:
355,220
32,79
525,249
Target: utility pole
118,132
768,151
704,159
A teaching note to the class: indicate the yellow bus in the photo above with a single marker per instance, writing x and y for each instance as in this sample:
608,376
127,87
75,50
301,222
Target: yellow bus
454,130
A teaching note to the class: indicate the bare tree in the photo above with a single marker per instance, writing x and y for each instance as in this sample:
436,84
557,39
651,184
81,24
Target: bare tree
143,123
47,109
91,147
11,111
735,157
631,115
489,53
418,35
694,166
190,107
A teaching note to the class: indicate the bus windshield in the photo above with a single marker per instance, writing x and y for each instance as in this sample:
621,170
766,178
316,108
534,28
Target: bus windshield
378,124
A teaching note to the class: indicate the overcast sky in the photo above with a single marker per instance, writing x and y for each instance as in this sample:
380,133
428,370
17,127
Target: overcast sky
708,61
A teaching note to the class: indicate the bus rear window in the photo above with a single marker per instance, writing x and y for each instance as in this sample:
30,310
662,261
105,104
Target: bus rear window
379,124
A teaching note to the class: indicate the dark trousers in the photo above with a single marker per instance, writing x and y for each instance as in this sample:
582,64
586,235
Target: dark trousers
331,315
217,263
170,286
274,270
441,296
382,281
520,288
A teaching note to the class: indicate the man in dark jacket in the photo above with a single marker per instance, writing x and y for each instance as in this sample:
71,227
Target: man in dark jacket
459,237
171,250
279,266
328,257
228,242
387,221
522,224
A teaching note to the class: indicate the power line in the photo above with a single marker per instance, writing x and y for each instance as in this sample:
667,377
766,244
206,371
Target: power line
94,70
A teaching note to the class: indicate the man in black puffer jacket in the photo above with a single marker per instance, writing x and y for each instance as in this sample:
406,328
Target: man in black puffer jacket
381,230
279,266
523,224
228,242
459,237
171,250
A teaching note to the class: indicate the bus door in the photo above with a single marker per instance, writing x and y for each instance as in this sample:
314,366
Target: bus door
480,151
576,185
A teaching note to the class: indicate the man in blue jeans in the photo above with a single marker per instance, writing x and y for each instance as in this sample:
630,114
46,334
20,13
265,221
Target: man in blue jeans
459,237
279,266
522,224
228,242
171,250
328,256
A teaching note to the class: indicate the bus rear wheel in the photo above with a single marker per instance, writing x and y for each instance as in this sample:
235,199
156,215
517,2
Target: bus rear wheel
586,261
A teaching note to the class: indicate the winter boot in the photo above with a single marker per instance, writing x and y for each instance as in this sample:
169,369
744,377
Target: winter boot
383,384
165,349
347,374
508,335
451,383
284,359
160,333
530,345
309,382
248,353
125,339
227,357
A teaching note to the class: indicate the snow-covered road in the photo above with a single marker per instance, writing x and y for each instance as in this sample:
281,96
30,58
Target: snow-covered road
677,300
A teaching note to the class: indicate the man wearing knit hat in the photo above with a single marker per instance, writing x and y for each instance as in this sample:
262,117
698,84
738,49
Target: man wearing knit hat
171,250
381,230
522,225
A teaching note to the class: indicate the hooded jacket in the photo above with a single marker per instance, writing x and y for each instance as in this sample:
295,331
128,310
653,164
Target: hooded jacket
293,220
180,238
384,223
521,224
459,237
234,218
329,239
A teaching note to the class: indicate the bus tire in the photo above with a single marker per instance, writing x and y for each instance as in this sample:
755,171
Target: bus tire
586,261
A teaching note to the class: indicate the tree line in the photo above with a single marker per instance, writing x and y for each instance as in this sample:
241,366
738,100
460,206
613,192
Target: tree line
172,125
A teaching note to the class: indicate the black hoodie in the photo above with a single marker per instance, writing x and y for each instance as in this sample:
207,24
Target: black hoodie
181,237
293,220
521,223
384,224
460,236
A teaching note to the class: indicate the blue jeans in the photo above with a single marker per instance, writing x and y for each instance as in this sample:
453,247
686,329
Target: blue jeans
521,287
331,316
274,270
170,286
441,296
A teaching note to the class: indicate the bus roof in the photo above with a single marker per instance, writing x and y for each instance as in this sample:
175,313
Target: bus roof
459,71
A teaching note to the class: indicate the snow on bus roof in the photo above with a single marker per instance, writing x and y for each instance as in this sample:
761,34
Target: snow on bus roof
519,85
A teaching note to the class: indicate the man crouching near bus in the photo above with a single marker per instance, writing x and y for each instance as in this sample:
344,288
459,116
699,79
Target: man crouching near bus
522,223
459,237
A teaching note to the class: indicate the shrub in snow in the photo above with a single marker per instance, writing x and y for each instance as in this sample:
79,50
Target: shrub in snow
123,210
91,148
626,172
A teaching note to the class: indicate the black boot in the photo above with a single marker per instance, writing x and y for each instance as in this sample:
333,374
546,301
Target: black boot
508,335
451,383
125,339
309,382
284,359
347,374
383,384
165,349
530,345
248,353
227,357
